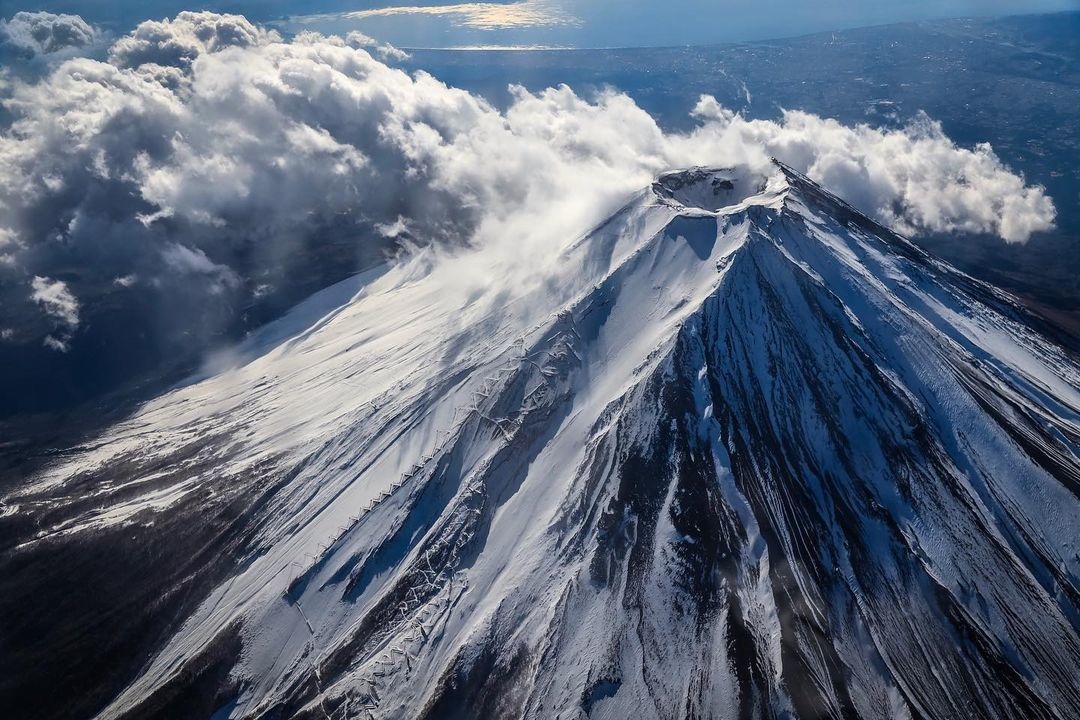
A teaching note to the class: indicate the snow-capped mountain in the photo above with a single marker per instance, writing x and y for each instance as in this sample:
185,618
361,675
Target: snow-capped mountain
738,452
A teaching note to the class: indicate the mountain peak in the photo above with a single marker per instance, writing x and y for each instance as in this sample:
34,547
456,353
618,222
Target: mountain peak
820,475
713,189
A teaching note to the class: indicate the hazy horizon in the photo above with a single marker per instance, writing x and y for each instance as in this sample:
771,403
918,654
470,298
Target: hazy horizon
557,23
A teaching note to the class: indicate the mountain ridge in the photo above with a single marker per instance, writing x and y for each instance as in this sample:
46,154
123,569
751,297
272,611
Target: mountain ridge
751,460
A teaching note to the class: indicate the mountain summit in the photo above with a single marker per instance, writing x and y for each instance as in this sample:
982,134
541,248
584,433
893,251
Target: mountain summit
743,454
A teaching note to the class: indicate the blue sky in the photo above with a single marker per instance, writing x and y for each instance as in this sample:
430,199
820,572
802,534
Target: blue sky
574,23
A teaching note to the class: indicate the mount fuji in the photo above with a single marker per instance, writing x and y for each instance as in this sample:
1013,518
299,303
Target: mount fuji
737,452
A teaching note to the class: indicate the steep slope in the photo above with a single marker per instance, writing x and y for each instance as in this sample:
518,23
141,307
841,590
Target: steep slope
739,453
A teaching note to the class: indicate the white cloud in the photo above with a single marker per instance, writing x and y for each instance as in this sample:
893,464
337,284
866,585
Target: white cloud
56,301
207,152
388,53
54,343
184,260
9,243
913,180
42,33
176,43
398,228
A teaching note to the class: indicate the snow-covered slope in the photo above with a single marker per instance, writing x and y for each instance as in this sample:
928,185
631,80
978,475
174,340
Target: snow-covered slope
737,452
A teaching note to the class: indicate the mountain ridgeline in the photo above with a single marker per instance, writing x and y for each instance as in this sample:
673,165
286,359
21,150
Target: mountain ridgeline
743,454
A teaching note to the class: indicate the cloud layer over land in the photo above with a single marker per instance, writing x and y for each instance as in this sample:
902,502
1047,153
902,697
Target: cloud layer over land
204,156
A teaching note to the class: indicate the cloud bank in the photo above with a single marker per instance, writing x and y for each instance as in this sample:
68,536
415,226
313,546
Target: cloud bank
912,180
206,163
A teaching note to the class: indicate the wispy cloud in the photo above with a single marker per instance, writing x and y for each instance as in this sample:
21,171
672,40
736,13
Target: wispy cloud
61,306
56,300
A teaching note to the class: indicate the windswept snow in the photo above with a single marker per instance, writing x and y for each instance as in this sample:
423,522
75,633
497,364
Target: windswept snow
736,452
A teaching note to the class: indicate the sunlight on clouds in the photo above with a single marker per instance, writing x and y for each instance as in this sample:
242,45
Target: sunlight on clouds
483,16
207,156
